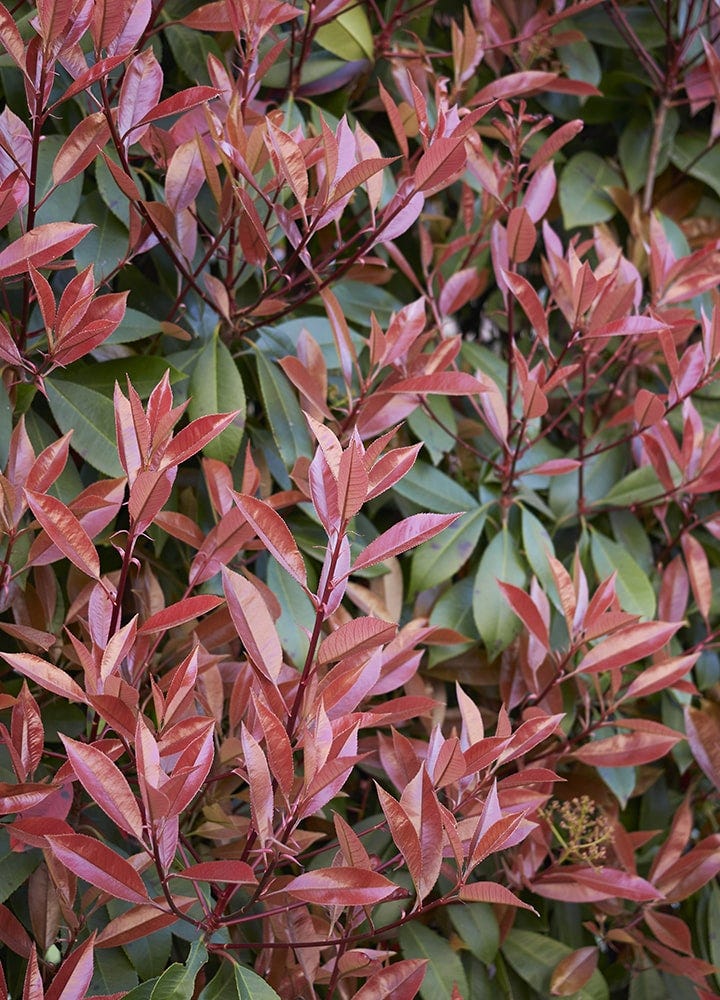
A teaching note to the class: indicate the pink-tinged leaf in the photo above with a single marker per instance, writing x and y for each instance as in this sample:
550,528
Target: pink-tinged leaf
491,892
553,467
356,636
99,866
628,645
33,986
178,614
527,611
139,94
40,246
703,733
230,872
352,480
47,675
260,787
191,768
140,921
183,101
670,930
401,981
618,883
341,334
445,383
660,677
554,143
398,216
272,530
403,832
193,438
627,749
11,39
540,193
277,745
254,624
459,289
513,85
13,934
27,733
403,536
390,469
530,303
106,784
441,163
521,235
66,531
341,887
420,802
358,174
698,569
628,326
81,147
75,974
48,466
290,162
22,796
648,408
572,972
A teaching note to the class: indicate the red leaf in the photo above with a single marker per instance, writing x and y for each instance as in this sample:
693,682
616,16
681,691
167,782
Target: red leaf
530,302
491,892
660,677
627,749
139,94
260,787
356,636
403,536
572,972
33,987
22,796
13,934
459,288
179,613
699,572
193,438
186,99
703,732
81,147
440,164
75,974
446,383
40,246
231,872
521,235
527,611
401,981
341,887
99,865
66,531
47,675
106,784
628,645
253,623
513,85
140,921
270,527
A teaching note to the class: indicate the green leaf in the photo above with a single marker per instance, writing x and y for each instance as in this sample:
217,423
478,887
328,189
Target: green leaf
583,198
638,486
359,300
538,545
646,985
114,972
431,431
478,927
297,612
15,866
431,490
689,155
222,986
437,560
178,982
64,201
633,586
620,781
454,610
150,954
287,423
68,484
250,986
634,148
444,969
91,417
631,533
141,992
348,35
144,373
496,622
108,190
216,387
106,246
134,326
534,956
713,927
191,49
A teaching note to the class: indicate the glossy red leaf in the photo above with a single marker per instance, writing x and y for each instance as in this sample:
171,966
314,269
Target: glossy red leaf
193,438
141,921
260,787
341,887
97,864
491,892
459,289
253,623
40,246
177,614
32,986
527,611
230,872
445,383
65,531
440,164
139,94
521,235
75,974
403,536
572,972
627,646
272,530
186,99
13,934
106,784
356,636
698,569
81,147
660,676
401,981
703,732
47,675
628,749
530,302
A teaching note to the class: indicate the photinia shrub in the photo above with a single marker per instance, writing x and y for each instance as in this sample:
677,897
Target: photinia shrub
358,520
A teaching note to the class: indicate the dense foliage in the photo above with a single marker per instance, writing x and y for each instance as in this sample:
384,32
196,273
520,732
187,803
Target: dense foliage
358,522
